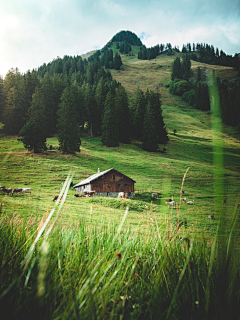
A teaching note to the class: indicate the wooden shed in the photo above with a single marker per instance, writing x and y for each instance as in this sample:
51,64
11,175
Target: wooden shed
107,183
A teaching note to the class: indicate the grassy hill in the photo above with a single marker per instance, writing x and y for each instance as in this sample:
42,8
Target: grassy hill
87,266
158,172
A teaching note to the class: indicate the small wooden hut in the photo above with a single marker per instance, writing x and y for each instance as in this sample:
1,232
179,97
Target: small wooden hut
108,183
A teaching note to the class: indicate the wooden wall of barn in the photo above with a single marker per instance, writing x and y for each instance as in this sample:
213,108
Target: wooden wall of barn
113,181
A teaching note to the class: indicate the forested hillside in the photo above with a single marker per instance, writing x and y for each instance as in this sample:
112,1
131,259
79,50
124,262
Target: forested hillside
72,96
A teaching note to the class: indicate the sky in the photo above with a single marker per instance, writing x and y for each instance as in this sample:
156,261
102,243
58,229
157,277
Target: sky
36,32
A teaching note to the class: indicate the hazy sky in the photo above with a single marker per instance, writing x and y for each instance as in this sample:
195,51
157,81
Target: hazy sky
33,32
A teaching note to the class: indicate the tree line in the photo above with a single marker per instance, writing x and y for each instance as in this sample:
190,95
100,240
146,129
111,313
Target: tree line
195,91
42,103
153,52
204,53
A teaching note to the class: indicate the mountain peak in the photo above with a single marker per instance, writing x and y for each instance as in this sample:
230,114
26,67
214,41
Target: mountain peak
127,36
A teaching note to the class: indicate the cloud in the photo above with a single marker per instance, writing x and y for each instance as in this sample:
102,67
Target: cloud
35,32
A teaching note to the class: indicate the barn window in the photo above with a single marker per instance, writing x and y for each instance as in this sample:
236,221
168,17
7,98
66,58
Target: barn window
114,177
100,185
109,185
119,185
126,185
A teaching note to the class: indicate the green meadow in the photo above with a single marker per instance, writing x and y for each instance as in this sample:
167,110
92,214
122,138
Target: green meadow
105,258
191,147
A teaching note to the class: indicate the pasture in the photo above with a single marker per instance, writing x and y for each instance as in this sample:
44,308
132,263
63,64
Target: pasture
97,259
190,147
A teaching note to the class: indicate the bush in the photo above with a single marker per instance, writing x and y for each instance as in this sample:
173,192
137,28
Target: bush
179,87
189,97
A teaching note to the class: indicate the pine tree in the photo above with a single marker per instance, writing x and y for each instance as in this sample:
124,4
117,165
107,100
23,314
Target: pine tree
37,112
100,97
30,82
33,137
110,136
123,111
117,61
149,130
186,67
176,69
68,125
49,103
154,99
14,113
138,110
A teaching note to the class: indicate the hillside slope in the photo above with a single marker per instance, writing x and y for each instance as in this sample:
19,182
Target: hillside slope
156,74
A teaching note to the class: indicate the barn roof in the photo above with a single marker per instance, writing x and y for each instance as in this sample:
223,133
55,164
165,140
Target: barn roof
96,176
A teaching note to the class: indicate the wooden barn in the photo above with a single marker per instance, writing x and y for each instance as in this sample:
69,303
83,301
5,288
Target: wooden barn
107,183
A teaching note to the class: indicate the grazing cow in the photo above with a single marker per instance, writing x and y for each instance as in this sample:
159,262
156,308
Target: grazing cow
182,191
170,204
89,193
7,190
211,216
77,195
184,200
17,190
21,190
121,195
155,195
55,198
191,202
2,187
26,190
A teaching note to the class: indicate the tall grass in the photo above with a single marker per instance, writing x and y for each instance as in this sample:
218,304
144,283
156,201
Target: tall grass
106,272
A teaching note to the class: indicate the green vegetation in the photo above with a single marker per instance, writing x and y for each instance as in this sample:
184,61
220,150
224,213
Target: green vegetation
104,258
110,271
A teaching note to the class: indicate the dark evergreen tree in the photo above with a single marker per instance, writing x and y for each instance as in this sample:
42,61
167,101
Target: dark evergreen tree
90,73
149,130
33,137
123,112
14,113
154,99
80,65
100,97
176,69
184,49
117,61
186,67
49,103
138,108
93,116
37,112
68,125
110,135
202,101
162,47
30,82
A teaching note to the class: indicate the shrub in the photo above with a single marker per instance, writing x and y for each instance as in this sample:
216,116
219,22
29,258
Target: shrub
189,97
179,87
